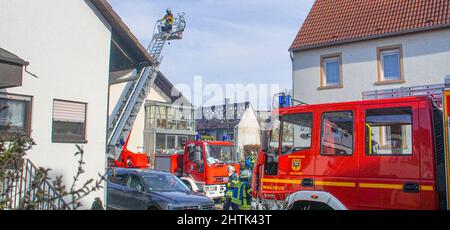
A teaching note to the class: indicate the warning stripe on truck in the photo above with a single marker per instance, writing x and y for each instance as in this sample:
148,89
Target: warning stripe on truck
345,184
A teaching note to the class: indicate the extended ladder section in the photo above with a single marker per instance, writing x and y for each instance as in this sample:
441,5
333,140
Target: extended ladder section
433,91
133,96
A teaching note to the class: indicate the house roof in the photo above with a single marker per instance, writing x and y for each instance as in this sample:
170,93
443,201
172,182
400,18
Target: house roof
123,33
221,116
9,57
338,22
168,88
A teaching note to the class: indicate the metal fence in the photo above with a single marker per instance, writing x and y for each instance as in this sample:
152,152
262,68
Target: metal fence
22,187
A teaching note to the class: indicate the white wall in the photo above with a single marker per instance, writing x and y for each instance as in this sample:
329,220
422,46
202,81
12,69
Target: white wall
136,142
68,47
426,60
248,129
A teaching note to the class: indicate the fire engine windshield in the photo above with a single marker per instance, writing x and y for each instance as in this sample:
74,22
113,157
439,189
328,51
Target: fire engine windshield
221,154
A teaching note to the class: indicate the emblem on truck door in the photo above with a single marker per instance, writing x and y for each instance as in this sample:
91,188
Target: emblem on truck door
296,164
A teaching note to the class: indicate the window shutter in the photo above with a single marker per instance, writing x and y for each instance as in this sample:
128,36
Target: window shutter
69,111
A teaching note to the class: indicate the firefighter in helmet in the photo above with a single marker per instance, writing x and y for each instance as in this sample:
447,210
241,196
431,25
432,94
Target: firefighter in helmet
242,195
233,180
168,20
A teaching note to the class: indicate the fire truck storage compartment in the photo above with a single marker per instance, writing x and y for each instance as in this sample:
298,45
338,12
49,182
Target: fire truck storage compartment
171,163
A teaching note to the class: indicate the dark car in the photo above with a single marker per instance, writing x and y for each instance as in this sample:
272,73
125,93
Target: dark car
135,189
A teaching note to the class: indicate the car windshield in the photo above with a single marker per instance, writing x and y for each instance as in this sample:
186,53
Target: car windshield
220,154
165,183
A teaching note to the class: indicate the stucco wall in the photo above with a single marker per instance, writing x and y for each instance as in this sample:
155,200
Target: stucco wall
426,60
68,47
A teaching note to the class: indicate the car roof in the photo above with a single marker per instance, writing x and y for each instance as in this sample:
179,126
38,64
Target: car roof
140,171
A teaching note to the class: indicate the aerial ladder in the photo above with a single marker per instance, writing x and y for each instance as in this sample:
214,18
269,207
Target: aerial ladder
133,96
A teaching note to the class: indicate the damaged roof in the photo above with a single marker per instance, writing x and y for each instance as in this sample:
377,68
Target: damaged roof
221,116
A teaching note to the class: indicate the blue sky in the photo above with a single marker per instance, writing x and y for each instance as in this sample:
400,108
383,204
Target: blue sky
226,41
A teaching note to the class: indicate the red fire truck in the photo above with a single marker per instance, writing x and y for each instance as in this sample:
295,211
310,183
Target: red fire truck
202,166
371,154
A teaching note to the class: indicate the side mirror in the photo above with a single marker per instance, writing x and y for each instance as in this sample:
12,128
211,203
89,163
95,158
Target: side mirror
139,188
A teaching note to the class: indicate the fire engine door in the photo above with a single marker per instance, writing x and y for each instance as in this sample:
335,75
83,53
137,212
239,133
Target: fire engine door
389,165
336,168
195,165
296,155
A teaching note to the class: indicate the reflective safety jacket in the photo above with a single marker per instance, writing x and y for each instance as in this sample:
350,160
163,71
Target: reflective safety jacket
169,19
231,185
242,195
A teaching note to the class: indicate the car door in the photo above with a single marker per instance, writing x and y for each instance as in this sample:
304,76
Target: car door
115,190
390,167
135,195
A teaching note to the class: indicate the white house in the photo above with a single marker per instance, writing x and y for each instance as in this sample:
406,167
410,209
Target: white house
75,48
345,48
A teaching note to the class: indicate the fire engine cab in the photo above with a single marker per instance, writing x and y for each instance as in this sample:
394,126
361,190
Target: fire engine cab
387,153
202,166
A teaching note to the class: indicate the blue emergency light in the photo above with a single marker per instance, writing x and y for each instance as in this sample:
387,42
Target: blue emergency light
198,137
285,101
225,138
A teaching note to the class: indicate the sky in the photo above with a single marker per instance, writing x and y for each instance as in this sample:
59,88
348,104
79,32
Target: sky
226,41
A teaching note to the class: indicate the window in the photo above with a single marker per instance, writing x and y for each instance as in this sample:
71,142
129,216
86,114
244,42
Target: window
296,133
161,117
390,64
119,179
337,134
389,131
69,122
15,114
135,183
150,117
195,148
331,71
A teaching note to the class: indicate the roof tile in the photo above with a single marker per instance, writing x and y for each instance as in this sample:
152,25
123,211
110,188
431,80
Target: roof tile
332,21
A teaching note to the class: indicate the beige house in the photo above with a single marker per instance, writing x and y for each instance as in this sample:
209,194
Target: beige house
345,48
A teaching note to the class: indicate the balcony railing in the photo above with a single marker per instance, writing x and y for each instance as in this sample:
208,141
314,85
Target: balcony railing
22,187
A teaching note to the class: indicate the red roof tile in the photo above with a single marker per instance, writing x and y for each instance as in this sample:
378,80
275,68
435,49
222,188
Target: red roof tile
333,22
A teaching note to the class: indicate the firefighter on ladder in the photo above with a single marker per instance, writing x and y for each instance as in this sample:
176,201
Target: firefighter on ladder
168,21
242,195
233,180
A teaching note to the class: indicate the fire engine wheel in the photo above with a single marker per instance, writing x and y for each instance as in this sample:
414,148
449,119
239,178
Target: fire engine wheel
308,205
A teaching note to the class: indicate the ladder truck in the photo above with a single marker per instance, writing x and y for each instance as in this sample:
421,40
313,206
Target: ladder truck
388,151
133,96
